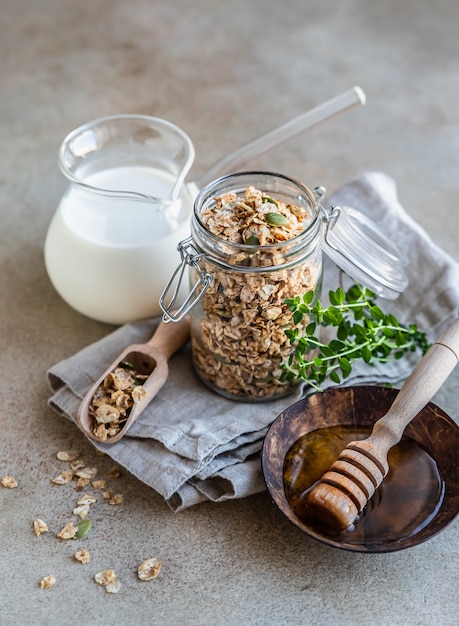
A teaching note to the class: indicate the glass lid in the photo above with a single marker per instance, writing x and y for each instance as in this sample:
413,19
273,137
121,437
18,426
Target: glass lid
357,246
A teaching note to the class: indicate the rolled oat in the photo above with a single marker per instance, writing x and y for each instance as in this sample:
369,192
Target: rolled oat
64,478
40,527
82,556
108,579
47,582
9,482
149,569
68,455
68,532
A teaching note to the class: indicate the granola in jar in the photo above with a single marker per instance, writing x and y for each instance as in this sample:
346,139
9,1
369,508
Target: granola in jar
260,243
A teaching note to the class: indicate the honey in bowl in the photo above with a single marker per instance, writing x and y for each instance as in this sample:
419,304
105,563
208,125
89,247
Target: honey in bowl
406,501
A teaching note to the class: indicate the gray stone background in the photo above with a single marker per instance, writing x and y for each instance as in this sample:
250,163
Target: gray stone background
225,72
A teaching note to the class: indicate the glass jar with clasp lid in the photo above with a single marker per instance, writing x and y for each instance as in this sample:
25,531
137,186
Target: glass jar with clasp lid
257,238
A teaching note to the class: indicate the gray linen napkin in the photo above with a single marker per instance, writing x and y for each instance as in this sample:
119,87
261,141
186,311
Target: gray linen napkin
191,445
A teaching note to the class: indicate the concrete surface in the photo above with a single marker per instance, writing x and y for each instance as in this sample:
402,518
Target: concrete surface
225,72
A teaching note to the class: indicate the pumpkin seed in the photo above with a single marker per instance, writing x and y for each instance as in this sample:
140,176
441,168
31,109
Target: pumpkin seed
221,359
82,528
276,219
252,241
270,200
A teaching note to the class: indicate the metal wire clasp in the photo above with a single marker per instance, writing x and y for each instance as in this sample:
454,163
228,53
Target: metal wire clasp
190,257
330,220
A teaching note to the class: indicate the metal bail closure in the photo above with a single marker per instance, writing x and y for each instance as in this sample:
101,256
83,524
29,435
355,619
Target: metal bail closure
190,257
357,246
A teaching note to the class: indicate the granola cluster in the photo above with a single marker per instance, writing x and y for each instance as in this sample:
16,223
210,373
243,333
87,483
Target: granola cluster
241,341
255,218
114,399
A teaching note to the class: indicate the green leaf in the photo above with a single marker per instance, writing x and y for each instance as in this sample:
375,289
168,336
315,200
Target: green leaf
376,312
336,297
333,299
345,366
334,377
336,345
297,317
366,354
308,297
333,316
302,346
392,320
326,351
341,296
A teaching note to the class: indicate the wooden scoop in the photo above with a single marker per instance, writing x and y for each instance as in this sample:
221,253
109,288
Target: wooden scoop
146,359
351,481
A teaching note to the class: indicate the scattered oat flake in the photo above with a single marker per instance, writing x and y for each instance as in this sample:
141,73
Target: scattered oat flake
9,482
107,494
118,498
105,577
149,569
81,483
76,465
88,498
68,532
114,586
86,472
81,510
99,484
40,527
63,478
47,582
114,472
68,455
82,556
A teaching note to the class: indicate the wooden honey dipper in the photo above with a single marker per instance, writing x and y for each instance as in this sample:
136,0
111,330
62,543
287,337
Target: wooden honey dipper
352,479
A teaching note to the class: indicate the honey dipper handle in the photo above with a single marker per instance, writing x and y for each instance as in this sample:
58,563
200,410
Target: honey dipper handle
423,383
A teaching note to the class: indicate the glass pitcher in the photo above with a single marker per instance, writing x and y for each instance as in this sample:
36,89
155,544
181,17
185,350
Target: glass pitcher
112,242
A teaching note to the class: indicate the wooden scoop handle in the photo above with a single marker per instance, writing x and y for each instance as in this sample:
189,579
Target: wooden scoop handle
351,481
150,358
168,338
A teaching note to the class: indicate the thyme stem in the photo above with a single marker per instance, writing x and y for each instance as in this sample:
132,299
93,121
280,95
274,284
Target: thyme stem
363,332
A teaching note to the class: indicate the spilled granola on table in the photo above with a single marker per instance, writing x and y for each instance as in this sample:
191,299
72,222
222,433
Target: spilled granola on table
241,341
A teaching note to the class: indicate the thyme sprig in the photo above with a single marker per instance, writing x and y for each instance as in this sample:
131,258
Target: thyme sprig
363,332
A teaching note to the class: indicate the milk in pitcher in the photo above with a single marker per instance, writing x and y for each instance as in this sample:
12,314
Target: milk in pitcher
112,263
